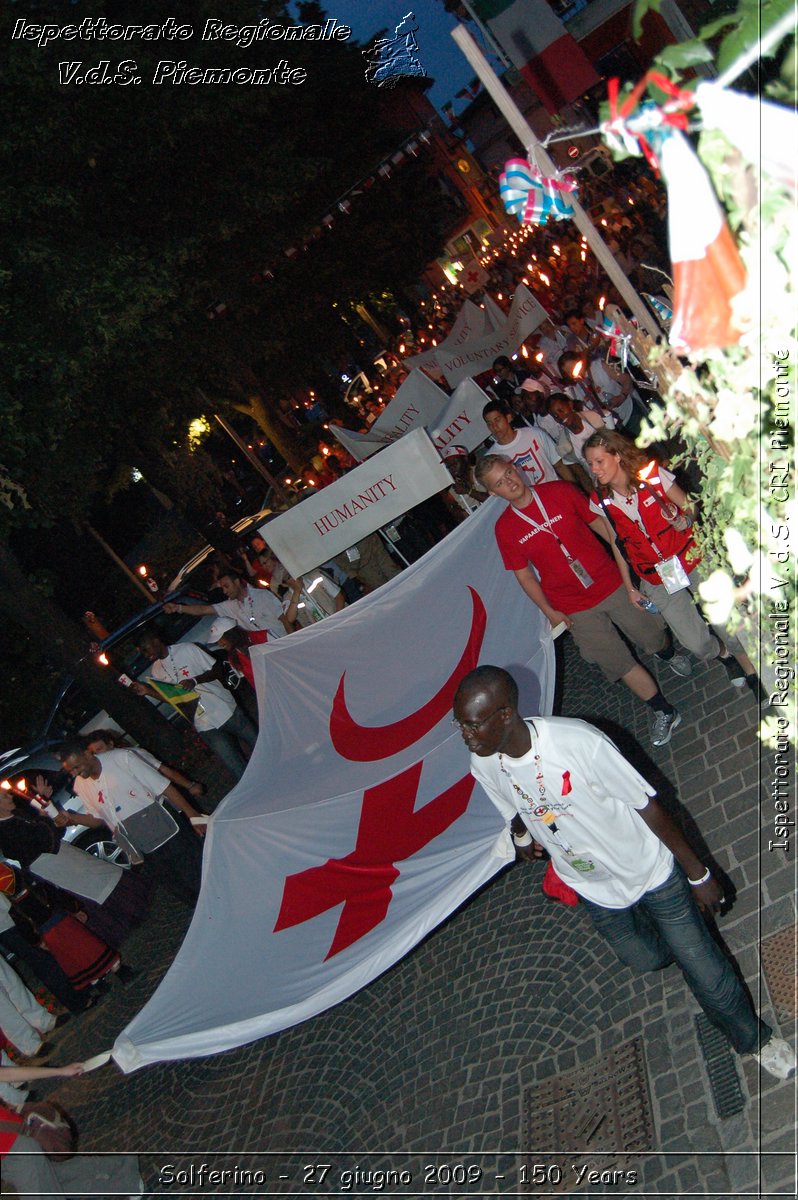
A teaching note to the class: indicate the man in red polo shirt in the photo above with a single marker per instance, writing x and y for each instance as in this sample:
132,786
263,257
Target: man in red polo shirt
546,537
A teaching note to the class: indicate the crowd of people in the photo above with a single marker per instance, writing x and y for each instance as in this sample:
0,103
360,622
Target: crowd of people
599,532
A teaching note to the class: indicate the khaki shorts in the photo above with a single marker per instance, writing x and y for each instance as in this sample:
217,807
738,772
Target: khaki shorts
599,641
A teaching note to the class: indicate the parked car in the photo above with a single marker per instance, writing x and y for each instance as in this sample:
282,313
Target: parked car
19,770
20,766
244,526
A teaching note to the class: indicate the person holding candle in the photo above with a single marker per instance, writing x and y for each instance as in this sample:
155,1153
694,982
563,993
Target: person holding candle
652,526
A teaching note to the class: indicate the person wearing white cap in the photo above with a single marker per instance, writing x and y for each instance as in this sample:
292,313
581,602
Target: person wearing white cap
456,459
531,399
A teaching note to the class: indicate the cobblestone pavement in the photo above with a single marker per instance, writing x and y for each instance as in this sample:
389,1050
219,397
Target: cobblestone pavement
443,1066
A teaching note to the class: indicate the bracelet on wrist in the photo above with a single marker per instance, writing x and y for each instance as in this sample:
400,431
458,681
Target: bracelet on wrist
697,882
523,839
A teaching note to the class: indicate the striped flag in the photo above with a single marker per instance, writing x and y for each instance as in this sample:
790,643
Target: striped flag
184,701
537,44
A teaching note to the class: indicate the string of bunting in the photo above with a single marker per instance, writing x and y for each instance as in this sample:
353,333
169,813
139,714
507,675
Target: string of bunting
342,206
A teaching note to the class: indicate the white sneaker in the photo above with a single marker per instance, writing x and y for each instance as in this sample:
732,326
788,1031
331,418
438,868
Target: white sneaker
680,665
777,1057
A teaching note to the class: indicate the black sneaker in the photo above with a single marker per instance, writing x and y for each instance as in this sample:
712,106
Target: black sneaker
737,676
664,725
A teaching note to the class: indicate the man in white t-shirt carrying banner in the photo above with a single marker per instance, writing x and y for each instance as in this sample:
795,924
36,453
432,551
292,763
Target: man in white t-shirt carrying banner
564,787
120,786
217,719
257,610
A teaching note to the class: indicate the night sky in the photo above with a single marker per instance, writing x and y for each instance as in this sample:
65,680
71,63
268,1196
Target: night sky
437,52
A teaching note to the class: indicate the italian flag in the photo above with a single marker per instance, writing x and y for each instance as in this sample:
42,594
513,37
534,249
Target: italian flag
537,44
708,274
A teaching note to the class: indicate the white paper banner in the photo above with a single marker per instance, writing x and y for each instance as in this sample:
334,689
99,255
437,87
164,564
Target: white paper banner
417,402
461,422
474,357
357,827
496,316
470,323
359,445
371,495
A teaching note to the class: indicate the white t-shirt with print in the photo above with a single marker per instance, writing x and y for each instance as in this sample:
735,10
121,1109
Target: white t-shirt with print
185,660
591,794
126,785
259,609
533,452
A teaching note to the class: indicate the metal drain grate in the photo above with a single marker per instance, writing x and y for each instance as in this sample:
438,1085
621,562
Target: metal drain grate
723,1078
596,1114
780,966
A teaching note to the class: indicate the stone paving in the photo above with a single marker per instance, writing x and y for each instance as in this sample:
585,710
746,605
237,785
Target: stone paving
426,1070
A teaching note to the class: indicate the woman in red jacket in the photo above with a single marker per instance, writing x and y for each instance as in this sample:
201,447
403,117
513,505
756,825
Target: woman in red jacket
651,520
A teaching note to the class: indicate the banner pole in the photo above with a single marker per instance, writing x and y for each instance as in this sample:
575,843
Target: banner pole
393,546
526,135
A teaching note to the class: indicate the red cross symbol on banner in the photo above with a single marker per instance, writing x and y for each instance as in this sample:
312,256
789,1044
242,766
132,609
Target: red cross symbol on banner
389,830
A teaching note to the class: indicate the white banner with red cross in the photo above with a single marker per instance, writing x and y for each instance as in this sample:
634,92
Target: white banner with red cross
357,827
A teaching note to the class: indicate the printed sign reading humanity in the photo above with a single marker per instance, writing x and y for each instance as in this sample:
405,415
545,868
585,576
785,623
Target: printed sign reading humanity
375,493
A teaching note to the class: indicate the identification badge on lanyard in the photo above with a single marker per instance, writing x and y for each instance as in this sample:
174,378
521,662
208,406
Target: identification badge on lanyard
580,572
673,575
585,865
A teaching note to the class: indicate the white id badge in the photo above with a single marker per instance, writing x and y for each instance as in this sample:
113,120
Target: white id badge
673,575
581,861
580,572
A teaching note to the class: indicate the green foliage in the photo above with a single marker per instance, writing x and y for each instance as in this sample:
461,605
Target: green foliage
127,211
639,13
682,55
745,425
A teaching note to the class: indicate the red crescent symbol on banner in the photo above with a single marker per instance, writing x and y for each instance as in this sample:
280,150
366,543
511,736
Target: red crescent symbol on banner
368,743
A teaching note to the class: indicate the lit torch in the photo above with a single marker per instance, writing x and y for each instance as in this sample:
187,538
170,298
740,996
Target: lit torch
648,475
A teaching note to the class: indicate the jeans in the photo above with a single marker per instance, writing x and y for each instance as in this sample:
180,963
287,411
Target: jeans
224,741
665,926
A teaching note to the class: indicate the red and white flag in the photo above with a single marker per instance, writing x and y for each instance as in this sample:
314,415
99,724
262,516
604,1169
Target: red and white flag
707,270
539,46
357,827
